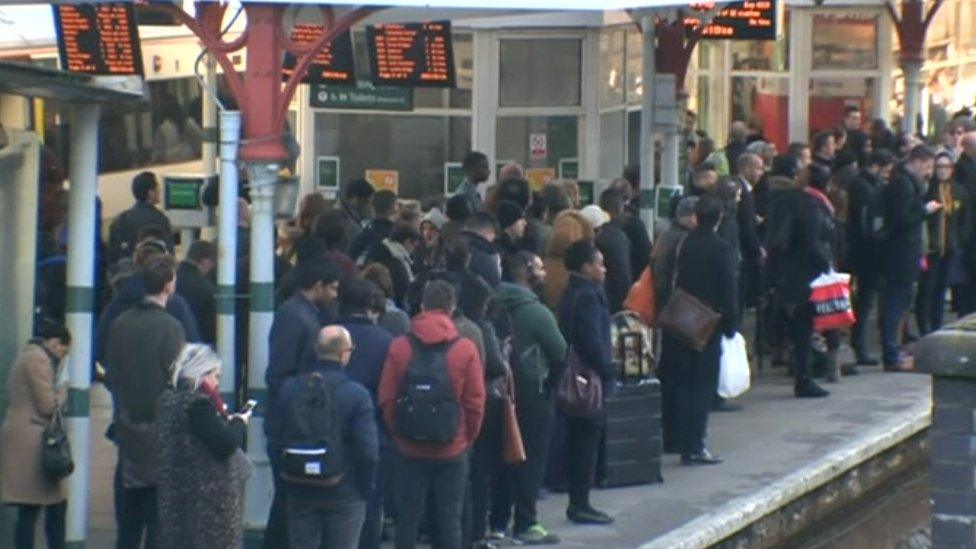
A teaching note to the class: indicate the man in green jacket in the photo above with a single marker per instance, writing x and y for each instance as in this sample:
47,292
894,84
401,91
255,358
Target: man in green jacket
538,352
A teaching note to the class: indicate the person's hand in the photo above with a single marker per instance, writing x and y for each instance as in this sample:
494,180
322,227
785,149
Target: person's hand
933,206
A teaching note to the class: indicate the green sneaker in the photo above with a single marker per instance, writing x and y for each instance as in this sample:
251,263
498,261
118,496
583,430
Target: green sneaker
537,535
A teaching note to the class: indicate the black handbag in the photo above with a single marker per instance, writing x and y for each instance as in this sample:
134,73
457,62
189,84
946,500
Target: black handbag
56,460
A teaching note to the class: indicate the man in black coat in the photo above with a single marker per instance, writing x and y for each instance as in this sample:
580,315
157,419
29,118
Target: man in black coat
633,227
356,197
823,147
856,138
615,247
750,170
965,174
384,204
395,253
194,284
799,237
480,232
706,269
123,235
865,236
905,211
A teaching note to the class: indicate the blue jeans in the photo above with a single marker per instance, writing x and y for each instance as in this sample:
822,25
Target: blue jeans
895,302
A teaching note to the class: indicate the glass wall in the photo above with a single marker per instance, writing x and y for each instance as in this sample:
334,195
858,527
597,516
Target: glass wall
415,146
845,41
540,72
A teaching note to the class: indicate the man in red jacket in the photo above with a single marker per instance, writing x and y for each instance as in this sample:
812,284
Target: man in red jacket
420,466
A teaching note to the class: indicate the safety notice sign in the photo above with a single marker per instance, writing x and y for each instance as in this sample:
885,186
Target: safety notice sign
538,146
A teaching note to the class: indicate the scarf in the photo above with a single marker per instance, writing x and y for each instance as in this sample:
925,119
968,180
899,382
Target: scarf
819,195
214,395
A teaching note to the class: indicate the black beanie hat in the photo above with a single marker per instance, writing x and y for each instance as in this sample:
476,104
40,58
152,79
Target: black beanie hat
509,213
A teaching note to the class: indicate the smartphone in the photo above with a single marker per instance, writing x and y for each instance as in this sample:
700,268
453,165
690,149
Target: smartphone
248,407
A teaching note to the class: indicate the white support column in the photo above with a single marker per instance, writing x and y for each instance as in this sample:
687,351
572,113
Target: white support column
589,154
209,116
484,97
913,95
83,172
801,63
230,130
647,125
262,178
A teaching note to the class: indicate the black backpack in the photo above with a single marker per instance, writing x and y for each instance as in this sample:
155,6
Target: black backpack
427,410
313,453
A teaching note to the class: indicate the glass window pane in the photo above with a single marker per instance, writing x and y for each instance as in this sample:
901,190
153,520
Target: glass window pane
540,72
760,55
512,141
763,102
967,27
829,96
612,144
612,67
635,65
845,41
416,146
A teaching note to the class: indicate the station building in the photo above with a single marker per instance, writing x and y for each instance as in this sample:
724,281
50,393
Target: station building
573,77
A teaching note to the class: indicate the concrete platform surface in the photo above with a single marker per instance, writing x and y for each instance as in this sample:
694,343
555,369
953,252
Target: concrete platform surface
776,444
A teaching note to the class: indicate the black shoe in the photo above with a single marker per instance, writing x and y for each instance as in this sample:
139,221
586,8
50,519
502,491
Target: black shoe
588,516
809,389
726,406
849,370
867,360
702,458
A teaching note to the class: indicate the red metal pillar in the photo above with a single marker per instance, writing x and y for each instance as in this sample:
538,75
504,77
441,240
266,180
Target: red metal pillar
912,26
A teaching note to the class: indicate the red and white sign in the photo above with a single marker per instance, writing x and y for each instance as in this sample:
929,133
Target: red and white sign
538,146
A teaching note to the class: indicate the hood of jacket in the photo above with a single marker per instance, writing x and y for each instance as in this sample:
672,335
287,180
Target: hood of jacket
568,227
511,295
781,183
433,327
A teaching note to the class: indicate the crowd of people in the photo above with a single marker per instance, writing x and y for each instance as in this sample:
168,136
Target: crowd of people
403,329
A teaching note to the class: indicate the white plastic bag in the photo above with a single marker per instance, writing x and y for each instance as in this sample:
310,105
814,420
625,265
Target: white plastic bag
733,373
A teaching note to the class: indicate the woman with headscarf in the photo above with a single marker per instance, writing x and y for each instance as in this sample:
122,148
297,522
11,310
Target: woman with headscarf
200,494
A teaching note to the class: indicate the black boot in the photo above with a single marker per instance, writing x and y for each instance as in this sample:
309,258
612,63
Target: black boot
808,388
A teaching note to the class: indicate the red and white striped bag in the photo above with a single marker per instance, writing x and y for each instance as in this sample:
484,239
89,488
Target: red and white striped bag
831,299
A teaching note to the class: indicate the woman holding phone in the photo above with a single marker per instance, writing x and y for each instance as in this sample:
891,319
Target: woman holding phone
201,485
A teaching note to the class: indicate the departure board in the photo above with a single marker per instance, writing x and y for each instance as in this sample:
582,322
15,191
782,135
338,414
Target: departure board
98,38
333,65
742,20
412,54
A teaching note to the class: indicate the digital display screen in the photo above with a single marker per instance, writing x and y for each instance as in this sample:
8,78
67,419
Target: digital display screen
742,20
412,54
332,65
182,193
98,38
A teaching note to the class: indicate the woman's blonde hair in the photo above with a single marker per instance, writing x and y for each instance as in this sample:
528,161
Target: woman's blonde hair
194,363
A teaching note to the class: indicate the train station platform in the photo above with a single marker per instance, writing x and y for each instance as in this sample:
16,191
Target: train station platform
778,450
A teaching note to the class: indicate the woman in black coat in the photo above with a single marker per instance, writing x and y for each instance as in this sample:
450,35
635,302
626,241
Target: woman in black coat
706,269
799,237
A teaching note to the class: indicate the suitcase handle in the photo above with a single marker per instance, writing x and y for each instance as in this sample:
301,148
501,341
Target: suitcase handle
622,339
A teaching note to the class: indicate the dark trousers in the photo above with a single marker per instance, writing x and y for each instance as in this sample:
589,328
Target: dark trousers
583,437
669,401
868,284
895,301
54,516
519,484
276,531
801,334
446,479
486,464
320,522
696,382
380,501
135,513
933,284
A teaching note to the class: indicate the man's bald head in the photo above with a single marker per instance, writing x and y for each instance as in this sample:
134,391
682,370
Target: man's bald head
334,343
511,171
968,143
750,167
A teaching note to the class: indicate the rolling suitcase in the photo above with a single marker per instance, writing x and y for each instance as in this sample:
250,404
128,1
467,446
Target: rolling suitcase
633,443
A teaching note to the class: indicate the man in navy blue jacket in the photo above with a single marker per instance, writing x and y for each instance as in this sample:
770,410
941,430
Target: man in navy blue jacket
372,343
290,351
333,517
585,321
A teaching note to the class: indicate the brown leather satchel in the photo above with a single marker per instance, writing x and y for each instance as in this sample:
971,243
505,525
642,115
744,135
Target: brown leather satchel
580,390
513,448
685,317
